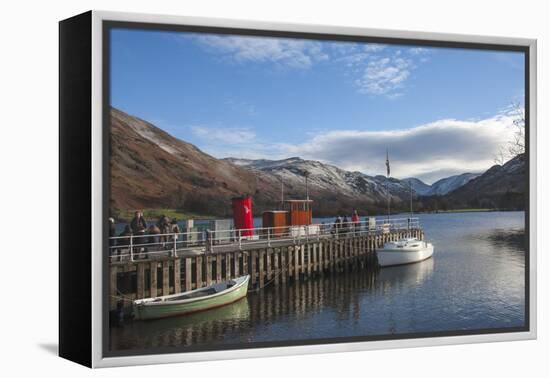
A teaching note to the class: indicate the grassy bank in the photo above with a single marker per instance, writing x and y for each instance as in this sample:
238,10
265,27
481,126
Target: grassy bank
155,214
463,211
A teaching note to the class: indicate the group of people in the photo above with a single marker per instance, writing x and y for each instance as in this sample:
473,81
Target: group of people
144,233
344,225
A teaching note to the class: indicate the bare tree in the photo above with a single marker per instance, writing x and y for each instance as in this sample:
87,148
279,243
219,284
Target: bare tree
501,156
516,146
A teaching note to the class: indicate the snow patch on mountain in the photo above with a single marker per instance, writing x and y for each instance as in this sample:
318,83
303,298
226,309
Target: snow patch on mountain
447,185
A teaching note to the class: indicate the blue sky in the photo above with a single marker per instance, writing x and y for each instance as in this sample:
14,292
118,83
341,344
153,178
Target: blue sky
439,111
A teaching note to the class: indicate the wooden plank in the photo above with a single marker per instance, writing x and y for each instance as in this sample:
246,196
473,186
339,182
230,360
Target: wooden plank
113,287
321,258
261,272
198,272
177,276
246,256
314,257
341,253
165,278
253,255
153,280
302,259
268,265
140,281
208,259
276,265
188,274
228,265
296,263
218,268
284,267
236,263
331,255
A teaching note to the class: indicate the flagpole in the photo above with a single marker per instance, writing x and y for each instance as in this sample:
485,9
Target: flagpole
388,182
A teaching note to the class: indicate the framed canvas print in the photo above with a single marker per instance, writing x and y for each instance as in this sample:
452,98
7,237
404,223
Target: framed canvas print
256,189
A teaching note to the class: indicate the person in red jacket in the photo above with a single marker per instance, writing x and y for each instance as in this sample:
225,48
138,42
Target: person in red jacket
355,220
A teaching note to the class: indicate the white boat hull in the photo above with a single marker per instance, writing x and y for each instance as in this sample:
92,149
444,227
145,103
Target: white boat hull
396,256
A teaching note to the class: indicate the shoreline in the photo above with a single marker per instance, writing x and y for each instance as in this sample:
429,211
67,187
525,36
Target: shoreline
154,214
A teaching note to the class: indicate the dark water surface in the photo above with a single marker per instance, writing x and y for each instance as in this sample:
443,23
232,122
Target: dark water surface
474,281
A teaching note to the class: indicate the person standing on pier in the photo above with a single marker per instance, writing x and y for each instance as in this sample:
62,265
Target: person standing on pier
345,225
175,229
164,226
355,220
138,226
124,244
112,231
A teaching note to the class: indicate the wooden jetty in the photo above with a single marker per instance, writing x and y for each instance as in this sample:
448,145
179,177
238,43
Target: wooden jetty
174,263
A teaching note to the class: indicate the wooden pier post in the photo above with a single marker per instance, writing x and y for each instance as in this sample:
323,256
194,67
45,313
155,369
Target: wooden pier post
113,290
261,267
198,272
188,274
284,267
177,276
165,278
276,266
140,281
253,255
208,259
218,268
153,280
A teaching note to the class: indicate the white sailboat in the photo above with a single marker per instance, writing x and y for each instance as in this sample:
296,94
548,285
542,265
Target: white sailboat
404,251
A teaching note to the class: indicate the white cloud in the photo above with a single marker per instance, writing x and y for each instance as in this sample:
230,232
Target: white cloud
377,69
293,53
417,50
429,152
384,76
373,47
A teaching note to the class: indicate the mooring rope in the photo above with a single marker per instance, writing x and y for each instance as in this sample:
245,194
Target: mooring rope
122,296
273,278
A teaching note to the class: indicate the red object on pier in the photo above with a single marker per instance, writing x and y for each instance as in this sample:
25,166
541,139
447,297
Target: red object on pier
242,215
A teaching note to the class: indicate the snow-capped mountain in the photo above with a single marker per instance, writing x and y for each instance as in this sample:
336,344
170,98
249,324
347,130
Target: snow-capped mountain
419,186
327,178
448,184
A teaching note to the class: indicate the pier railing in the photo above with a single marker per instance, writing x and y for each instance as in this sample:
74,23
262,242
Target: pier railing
148,246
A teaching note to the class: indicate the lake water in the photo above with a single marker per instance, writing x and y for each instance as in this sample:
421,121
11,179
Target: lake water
474,281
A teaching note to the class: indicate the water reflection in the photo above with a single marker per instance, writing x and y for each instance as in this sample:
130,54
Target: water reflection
183,330
406,275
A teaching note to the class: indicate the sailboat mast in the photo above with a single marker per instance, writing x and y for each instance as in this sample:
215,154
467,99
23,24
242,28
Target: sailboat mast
388,182
388,195
411,193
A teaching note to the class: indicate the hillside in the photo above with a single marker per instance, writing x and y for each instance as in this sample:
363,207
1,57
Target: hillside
152,169
501,186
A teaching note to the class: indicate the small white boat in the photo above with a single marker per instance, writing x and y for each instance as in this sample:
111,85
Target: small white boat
404,251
